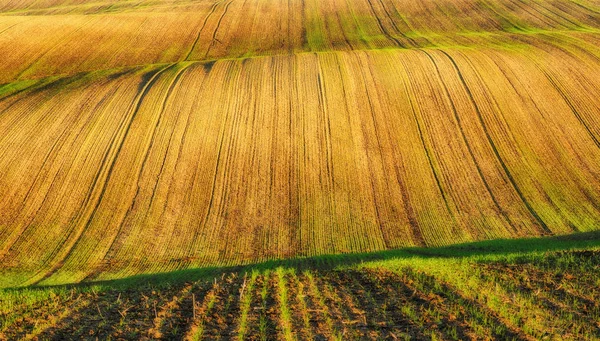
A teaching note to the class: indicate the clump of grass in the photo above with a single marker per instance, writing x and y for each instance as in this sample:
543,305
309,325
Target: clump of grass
245,300
285,314
264,293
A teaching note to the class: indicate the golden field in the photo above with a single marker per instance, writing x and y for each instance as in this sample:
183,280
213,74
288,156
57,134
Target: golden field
145,137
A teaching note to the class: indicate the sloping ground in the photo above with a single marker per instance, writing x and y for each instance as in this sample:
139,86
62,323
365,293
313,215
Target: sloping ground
151,136
111,174
41,38
526,297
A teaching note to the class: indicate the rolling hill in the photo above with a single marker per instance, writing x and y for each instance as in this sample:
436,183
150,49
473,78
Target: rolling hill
299,169
151,136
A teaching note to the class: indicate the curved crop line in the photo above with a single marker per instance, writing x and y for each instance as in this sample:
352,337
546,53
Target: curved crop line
569,103
165,157
37,177
398,31
527,97
372,112
578,3
521,32
293,196
568,45
542,17
9,27
381,28
574,111
576,43
14,94
410,214
9,244
200,89
503,17
218,161
408,26
110,250
290,47
577,22
54,145
214,36
77,232
65,37
344,32
212,10
35,88
428,154
495,149
229,158
169,144
465,140
342,86
539,5
326,122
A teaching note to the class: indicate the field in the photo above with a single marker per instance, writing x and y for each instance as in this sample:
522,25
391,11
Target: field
509,290
148,137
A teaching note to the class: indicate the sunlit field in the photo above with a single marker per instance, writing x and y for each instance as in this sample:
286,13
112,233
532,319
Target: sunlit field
259,169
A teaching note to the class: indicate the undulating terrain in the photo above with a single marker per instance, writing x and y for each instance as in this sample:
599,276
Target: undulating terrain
142,137
146,137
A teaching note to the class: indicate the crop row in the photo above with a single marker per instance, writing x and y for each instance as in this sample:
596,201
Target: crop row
522,300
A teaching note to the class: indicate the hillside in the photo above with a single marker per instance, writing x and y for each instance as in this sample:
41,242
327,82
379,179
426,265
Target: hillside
141,137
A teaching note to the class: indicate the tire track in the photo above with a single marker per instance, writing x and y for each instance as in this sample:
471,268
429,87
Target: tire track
380,25
212,10
428,153
509,175
15,122
229,124
395,26
55,145
344,33
121,234
214,35
200,89
106,167
566,99
179,147
465,140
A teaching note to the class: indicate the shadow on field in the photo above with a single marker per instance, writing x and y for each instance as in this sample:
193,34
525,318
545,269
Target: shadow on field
484,248
334,297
